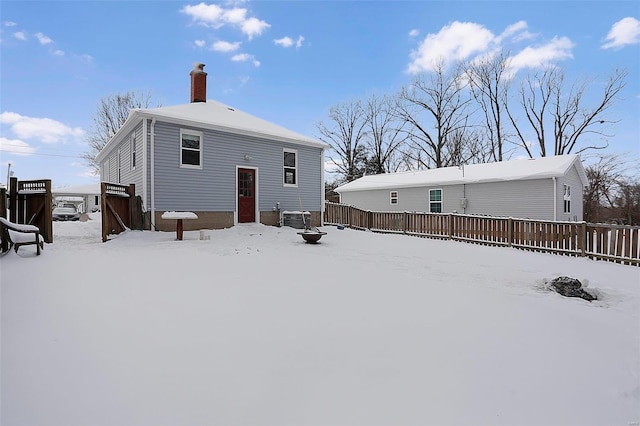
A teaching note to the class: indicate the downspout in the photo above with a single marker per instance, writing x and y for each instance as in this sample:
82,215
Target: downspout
153,183
555,193
322,188
145,143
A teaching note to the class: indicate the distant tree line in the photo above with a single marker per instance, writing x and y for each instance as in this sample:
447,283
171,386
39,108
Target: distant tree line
469,113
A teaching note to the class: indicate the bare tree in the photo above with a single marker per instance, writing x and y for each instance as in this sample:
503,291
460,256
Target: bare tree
110,115
489,83
548,103
435,112
384,135
612,193
345,134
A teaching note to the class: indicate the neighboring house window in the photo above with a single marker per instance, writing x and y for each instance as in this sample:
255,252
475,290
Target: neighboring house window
393,196
567,199
290,167
106,172
119,167
133,152
190,149
435,200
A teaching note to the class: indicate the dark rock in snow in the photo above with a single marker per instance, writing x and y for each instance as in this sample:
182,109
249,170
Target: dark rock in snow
570,287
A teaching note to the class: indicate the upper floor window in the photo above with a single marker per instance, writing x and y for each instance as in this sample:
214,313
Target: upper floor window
567,198
393,197
190,149
290,167
435,200
133,152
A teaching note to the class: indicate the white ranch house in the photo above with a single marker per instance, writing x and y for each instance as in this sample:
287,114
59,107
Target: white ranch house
222,164
547,188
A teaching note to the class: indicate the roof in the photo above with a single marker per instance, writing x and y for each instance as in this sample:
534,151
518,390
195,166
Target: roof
525,169
215,116
90,189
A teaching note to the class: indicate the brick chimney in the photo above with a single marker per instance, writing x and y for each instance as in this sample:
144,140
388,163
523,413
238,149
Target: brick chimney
198,83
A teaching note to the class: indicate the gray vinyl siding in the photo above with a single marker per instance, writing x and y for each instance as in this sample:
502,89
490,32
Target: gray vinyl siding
213,188
530,199
122,152
414,199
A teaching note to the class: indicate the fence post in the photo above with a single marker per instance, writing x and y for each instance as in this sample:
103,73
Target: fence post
103,210
450,225
13,199
406,222
509,232
47,219
582,238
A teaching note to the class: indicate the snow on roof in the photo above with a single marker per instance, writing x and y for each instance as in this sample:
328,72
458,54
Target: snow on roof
224,117
213,115
539,168
91,189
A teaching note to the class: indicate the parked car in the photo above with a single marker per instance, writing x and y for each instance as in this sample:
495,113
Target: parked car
65,213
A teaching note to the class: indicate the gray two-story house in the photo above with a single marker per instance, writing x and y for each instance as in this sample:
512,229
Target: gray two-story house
223,164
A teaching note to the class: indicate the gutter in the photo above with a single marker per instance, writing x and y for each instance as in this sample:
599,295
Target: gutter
153,163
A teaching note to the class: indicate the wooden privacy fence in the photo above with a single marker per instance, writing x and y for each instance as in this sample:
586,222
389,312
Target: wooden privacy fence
598,241
31,203
120,209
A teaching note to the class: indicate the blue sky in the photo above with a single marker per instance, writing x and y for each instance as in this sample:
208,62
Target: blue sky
284,61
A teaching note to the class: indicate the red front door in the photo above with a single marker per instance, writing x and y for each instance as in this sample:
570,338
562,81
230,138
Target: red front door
246,195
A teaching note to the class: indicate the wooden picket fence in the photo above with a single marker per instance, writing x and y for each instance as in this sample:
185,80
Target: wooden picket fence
615,243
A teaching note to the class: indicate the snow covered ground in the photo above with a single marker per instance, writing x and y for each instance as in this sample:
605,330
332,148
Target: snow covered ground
255,327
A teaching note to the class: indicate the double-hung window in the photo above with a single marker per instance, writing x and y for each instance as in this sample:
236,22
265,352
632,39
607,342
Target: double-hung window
393,197
190,149
567,199
290,167
435,200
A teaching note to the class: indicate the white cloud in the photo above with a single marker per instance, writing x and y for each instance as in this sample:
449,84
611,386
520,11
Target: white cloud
253,27
284,41
43,129
9,24
225,46
624,32
288,42
58,52
16,146
245,57
216,16
20,35
517,32
454,42
200,43
414,33
559,48
43,39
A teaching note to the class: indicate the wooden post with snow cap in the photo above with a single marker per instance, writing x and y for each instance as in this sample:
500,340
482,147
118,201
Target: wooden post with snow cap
179,217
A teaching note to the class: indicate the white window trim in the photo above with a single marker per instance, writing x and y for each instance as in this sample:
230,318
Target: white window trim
393,197
133,152
194,133
295,169
566,197
441,202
